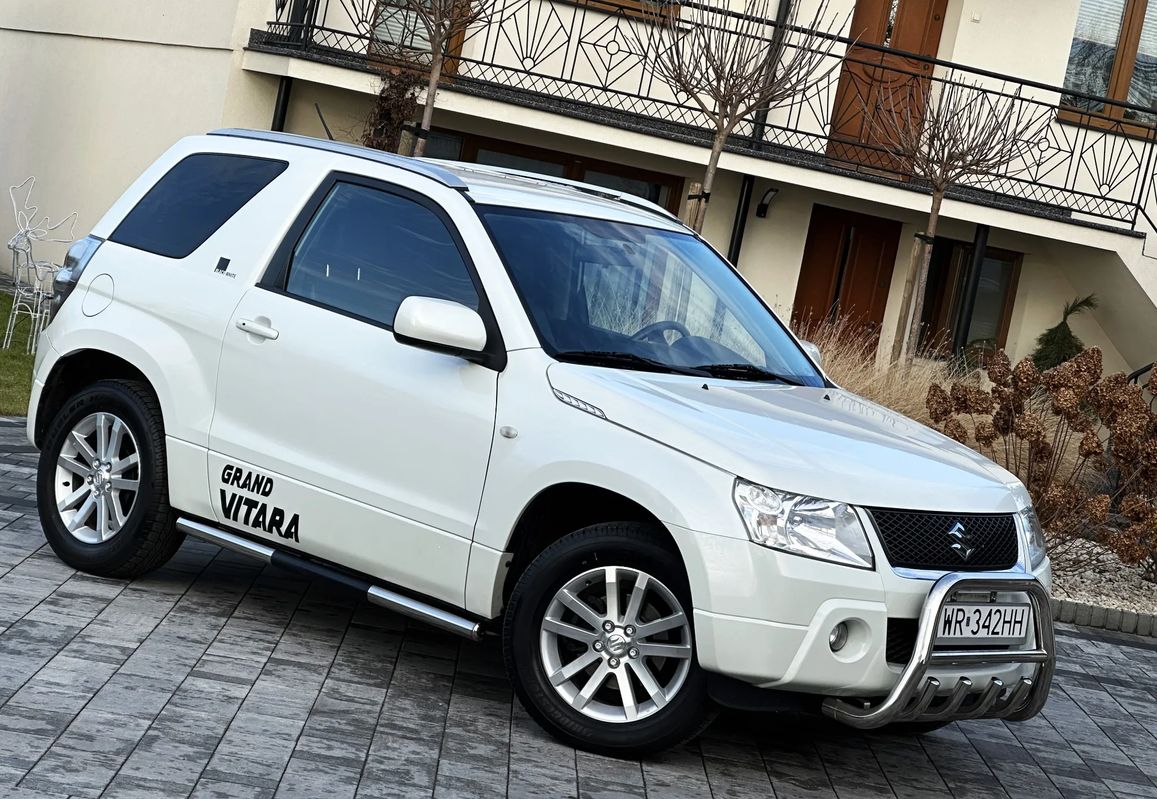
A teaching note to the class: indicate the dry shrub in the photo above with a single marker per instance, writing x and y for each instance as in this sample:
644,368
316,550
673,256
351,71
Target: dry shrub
1084,445
393,108
849,358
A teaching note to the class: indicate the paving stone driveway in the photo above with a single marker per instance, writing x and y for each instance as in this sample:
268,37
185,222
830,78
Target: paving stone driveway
217,677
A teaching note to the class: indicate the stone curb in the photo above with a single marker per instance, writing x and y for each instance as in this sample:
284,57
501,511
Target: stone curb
1083,614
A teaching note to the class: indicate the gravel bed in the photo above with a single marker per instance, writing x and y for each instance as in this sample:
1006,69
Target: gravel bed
1109,583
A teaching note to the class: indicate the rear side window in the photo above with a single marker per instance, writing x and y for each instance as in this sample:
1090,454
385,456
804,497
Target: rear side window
193,200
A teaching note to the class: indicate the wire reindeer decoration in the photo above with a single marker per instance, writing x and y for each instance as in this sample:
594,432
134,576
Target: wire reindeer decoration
29,275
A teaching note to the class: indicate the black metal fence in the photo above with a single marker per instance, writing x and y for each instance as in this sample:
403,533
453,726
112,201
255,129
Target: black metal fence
1144,377
1094,162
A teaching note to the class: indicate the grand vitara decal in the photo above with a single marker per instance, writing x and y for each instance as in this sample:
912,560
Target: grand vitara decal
243,501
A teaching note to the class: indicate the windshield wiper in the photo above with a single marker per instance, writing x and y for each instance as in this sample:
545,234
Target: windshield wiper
628,360
745,371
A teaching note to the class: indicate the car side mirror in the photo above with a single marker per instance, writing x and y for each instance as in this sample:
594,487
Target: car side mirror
440,325
813,352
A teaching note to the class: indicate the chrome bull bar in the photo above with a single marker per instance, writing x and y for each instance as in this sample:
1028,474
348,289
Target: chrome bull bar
917,697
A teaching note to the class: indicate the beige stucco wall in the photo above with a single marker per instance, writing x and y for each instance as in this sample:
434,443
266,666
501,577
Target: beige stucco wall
773,246
87,115
204,24
1028,39
93,92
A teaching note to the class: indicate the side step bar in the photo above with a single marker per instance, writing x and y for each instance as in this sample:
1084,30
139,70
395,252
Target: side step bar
378,595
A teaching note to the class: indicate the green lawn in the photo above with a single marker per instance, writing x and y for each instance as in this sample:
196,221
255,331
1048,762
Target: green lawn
15,366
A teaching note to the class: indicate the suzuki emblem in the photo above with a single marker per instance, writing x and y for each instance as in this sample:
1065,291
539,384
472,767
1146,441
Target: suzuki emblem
961,541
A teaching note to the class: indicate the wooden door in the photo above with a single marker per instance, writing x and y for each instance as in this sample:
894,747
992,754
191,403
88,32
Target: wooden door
846,270
875,82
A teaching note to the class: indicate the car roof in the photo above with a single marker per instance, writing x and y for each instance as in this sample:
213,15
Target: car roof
491,185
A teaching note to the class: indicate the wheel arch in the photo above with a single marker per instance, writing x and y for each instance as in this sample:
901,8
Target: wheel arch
76,370
565,507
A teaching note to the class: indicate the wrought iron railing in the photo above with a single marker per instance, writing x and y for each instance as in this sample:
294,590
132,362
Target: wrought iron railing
587,58
1144,378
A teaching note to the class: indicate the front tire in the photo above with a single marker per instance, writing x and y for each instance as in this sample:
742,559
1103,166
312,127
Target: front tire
102,487
598,642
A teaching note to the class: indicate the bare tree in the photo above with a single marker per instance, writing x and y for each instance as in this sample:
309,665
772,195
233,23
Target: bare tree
949,133
444,24
732,62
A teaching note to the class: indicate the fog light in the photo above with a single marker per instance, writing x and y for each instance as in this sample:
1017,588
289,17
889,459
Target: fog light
838,637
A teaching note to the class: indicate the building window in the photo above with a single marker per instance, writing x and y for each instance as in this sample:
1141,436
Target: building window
944,327
396,25
1114,56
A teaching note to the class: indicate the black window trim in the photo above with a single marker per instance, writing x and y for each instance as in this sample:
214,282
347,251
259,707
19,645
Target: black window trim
276,273
280,161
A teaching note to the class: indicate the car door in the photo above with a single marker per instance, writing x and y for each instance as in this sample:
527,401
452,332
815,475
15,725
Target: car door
330,435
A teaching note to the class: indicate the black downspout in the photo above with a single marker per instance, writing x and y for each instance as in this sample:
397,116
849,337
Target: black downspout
971,285
743,207
300,13
281,104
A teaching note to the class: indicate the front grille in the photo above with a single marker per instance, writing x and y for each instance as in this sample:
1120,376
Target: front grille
925,540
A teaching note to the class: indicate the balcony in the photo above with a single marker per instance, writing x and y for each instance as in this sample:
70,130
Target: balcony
584,59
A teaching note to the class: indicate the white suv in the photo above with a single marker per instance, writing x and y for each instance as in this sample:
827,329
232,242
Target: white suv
500,402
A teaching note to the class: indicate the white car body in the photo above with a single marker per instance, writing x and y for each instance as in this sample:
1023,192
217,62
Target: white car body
414,467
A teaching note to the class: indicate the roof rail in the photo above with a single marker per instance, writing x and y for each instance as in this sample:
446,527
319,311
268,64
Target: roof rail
415,165
586,188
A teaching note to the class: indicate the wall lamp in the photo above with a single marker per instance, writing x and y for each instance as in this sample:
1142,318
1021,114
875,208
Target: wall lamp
765,203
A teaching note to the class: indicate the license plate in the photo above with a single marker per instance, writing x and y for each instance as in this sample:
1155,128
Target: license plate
989,623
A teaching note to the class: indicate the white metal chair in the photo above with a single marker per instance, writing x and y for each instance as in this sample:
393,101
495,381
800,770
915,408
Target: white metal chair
32,279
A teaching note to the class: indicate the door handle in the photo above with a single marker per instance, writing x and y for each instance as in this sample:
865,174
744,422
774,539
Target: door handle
257,329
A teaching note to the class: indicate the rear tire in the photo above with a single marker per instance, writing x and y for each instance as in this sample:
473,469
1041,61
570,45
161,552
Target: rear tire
567,668
102,485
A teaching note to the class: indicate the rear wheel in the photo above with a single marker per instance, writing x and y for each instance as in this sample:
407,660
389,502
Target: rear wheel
599,643
101,484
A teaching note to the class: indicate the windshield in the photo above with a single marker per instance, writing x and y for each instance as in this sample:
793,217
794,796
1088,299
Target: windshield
634,297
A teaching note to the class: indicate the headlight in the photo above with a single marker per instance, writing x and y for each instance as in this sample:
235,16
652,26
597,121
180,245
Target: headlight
814,528
1034,537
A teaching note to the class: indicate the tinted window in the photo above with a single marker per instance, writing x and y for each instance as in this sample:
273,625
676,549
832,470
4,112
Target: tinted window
193,200
598,290
366,250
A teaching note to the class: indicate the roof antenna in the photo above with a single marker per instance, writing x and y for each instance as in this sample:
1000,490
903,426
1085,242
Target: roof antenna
317,106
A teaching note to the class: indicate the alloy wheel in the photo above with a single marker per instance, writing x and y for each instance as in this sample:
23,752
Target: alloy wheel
615,644
97,477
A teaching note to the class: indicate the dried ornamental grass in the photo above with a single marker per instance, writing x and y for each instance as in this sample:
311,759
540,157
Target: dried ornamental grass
849,358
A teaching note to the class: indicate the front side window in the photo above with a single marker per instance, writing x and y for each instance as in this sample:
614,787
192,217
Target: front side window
192,201
625,295
1114,56
366,250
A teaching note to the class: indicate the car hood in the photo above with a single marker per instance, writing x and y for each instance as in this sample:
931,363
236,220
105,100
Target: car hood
822,442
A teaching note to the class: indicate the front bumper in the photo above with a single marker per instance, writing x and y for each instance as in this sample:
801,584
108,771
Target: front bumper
763,618
918,697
